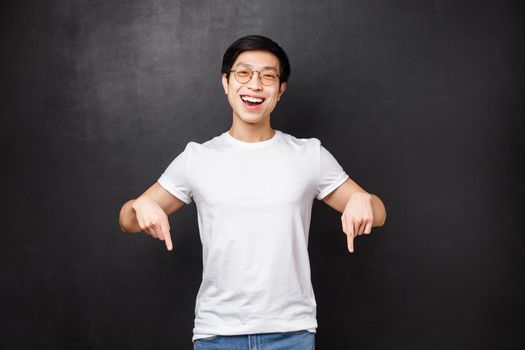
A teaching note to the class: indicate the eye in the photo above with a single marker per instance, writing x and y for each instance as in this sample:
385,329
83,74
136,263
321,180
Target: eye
243,72
268,74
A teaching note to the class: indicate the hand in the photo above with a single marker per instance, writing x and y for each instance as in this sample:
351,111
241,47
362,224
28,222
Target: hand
152,219
357,217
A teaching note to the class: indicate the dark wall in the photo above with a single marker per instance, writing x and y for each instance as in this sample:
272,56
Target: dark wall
420,101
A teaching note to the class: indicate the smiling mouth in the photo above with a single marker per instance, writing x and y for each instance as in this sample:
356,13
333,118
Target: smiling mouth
252,101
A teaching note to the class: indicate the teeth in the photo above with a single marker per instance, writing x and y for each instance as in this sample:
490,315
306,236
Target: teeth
251,99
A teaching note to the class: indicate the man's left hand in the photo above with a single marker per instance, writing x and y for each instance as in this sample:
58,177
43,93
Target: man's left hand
357,217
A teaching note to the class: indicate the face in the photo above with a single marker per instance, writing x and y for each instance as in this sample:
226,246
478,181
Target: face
252,102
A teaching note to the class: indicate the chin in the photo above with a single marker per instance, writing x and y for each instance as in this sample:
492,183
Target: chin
251,119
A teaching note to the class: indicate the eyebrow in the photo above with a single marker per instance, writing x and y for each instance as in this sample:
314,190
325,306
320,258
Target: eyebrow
250,66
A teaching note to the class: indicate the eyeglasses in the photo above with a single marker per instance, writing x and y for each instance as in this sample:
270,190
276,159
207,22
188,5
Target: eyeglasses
266,76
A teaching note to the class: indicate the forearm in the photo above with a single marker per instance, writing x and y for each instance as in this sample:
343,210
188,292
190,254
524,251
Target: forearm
379,211
128,219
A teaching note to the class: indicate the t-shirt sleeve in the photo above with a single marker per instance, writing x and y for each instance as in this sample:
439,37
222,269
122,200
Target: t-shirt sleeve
331,174
175,178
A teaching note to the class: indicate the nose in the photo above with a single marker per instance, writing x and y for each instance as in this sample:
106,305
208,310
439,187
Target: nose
254,83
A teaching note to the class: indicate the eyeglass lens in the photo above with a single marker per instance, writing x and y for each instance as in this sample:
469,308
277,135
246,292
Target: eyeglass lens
266,77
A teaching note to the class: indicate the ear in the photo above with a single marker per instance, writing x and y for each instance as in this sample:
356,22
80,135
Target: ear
281,90
225,83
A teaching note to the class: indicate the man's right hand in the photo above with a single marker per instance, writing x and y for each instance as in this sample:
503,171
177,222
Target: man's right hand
152,219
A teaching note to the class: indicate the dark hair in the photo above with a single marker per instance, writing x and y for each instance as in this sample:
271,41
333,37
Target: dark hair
256,42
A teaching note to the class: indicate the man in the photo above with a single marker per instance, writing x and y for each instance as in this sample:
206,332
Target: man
254,188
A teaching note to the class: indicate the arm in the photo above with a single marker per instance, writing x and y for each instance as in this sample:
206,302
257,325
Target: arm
339,198
361,210
149,213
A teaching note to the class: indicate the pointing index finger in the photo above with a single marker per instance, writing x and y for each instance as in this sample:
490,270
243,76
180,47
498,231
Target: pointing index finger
167,236
350,233
169,245
350,239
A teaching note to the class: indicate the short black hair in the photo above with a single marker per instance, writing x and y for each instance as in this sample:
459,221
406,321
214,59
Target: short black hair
256,42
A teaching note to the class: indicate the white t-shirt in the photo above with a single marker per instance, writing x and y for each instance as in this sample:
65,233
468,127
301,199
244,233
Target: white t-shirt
254,203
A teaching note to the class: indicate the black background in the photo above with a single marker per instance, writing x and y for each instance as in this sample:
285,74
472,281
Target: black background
420,101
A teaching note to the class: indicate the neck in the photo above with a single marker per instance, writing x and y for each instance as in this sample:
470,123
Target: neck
247,132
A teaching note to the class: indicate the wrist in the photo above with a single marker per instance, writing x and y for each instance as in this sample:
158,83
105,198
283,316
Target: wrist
361,194
133,205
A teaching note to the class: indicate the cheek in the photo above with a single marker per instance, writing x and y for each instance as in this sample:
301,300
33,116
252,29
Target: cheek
274,98
232,100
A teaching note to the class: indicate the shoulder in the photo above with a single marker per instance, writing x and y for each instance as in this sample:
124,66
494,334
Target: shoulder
212,144
301,142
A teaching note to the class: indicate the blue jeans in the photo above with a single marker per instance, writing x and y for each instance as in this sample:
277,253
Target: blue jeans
297,340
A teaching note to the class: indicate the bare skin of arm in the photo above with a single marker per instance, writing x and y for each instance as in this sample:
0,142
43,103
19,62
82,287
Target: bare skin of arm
149,213
361,210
